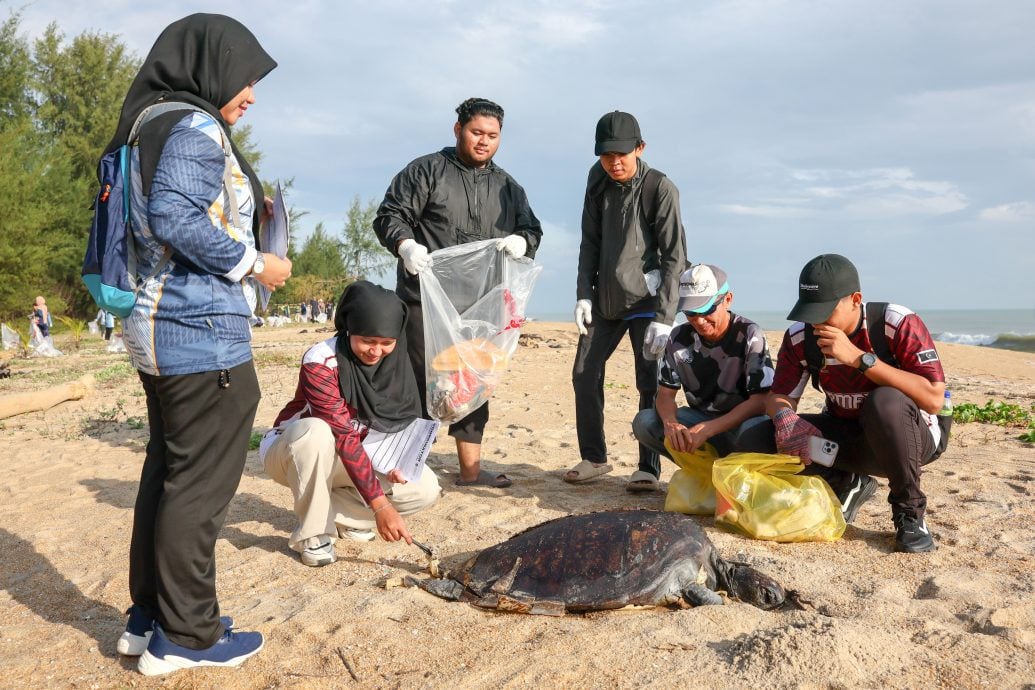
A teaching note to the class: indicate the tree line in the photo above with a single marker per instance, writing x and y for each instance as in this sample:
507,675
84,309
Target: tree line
59,105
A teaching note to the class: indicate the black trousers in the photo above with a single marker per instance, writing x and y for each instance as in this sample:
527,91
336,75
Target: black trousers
890,439
472,427
195,456
587,377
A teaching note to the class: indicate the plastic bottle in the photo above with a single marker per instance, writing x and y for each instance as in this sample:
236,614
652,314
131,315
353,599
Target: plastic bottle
946,410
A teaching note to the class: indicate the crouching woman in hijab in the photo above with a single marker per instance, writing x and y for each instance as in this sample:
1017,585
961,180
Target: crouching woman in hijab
357,380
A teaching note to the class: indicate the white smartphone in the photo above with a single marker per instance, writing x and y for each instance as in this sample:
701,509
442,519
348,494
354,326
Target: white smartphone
822,451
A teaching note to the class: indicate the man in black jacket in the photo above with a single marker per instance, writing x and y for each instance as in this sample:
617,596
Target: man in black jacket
632,253
451,197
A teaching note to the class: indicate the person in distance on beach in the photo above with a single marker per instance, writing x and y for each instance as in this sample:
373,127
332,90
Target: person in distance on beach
188,334
883,385
357,380
720,360
632,253
444,199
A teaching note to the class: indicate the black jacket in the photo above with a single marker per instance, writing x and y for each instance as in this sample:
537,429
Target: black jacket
619,245
439,201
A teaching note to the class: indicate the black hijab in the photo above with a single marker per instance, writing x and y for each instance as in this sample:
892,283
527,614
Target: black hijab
385,394
204,60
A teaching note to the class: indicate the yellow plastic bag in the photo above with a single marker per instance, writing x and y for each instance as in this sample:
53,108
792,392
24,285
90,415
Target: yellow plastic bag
690,489
764,497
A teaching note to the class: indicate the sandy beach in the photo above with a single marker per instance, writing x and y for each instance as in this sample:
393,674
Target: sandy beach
961,617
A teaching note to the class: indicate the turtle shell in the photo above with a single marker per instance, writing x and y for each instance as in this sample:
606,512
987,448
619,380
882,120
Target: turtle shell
602,560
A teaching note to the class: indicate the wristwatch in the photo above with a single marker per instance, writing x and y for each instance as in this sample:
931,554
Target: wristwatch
868,360
260,264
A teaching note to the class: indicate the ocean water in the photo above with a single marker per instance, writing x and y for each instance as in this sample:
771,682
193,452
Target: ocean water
1008,329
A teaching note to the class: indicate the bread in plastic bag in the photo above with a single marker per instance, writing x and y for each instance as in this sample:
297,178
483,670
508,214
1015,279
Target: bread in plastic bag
765,497
473,298
690,490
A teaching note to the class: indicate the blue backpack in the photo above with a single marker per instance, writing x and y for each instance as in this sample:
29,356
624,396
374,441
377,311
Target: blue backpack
110,265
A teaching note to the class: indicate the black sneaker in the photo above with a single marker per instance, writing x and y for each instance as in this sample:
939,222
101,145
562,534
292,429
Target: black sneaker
912,535
859,490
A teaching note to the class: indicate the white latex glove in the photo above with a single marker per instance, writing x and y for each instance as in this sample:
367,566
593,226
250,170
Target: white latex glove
655,340
653,280
415,256
514,245
583,315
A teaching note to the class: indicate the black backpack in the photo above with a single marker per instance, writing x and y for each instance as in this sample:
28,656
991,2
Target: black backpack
879,340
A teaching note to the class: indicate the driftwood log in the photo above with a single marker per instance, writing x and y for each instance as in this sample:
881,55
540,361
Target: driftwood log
34,401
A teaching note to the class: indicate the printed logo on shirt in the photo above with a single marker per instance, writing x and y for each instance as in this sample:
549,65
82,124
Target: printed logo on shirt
847,401
927,356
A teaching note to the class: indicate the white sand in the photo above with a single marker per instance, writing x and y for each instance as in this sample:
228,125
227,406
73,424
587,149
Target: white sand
963,616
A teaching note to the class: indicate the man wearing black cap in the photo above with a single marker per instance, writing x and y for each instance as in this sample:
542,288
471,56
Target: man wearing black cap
451,197
883,415
632,253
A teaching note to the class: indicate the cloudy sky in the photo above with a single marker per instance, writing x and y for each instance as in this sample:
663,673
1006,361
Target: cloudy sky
901,134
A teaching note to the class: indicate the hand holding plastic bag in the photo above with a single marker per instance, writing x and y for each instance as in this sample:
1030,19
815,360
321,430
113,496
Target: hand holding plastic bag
690,490
765,497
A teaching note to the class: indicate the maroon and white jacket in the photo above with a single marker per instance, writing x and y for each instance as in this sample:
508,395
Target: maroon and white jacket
319,395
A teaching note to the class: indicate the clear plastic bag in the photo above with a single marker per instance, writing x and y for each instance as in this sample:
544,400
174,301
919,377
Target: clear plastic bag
765,497
474,299
690,489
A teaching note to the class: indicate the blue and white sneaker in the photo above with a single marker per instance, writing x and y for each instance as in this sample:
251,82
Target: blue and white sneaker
165,656
138,631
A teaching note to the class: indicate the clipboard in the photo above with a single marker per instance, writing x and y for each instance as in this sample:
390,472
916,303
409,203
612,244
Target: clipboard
274,237
406,450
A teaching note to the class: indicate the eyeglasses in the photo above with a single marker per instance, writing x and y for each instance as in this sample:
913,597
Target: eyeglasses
715,305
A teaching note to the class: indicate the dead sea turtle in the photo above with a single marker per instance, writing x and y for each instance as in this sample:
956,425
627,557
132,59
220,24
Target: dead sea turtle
606,560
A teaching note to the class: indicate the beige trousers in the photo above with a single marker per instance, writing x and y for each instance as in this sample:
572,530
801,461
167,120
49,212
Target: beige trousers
303,458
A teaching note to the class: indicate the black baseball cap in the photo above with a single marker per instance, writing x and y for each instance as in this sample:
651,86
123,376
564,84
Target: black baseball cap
617,132
822,284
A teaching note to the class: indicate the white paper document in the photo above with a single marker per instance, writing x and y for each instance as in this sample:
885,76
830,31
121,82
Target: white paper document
406,450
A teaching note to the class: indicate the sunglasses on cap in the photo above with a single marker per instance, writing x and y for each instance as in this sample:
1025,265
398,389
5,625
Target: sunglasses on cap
719,299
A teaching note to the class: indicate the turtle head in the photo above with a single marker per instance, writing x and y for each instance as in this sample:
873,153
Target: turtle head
750,586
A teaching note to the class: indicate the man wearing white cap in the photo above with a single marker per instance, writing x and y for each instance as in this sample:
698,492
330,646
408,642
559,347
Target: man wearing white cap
722,363
632,253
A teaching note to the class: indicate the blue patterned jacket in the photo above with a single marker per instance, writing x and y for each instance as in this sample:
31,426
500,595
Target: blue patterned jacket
193,315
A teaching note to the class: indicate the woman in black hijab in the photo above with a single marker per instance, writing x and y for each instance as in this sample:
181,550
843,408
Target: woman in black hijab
352,388
188,335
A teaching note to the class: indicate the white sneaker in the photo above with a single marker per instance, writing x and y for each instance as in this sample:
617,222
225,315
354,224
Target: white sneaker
319,551
356,534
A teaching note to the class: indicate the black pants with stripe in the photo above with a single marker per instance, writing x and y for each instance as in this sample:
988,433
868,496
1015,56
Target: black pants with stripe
890,439
195,457
587,377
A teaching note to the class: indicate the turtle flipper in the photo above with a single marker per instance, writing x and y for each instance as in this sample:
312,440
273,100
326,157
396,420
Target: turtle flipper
699,595
446,589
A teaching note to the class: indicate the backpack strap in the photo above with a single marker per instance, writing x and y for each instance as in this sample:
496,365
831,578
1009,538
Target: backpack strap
161,108
814,359
649,195
878,337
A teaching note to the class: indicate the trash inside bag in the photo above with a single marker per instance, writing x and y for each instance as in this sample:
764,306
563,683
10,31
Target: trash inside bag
690,490
474,300
765,497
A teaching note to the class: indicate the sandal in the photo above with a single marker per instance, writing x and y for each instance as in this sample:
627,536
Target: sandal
642,481
585,471
486,478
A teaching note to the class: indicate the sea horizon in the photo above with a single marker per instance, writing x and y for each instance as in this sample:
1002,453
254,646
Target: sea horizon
1006,329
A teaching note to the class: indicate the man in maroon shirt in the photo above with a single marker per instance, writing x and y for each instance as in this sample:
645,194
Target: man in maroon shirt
883,416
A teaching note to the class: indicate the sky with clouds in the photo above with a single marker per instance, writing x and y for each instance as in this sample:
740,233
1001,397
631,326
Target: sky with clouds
901,134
